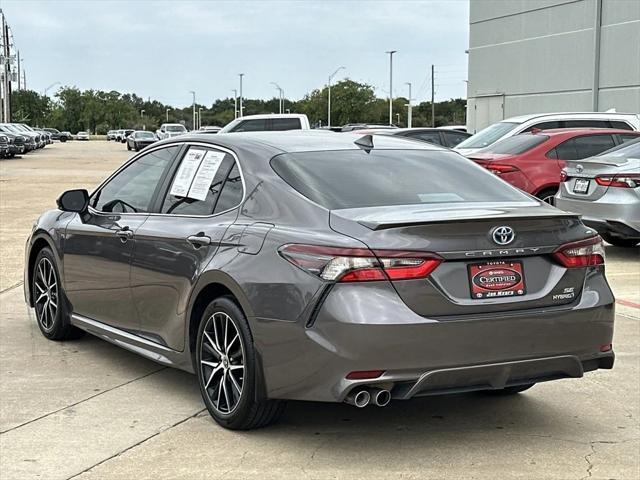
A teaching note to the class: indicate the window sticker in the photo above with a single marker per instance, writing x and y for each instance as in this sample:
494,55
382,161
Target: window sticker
205,174
186,172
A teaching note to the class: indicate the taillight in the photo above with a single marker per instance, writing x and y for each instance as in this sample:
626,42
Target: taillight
563,176
623,180
337,264
500,169
583,253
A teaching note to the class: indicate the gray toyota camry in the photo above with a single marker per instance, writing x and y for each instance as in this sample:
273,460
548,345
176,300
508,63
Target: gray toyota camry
325,267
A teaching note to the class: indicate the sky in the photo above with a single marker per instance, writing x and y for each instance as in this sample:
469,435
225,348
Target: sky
165,49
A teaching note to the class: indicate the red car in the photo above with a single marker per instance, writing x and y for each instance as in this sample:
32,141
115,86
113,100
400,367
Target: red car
533,161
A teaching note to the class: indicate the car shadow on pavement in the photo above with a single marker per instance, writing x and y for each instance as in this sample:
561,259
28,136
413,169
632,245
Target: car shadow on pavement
622,253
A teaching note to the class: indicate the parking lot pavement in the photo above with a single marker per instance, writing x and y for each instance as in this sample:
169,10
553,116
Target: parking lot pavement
89,410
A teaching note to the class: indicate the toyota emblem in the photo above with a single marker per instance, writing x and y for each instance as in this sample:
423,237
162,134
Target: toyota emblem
503,235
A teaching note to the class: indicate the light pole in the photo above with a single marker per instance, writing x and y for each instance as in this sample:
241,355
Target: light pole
50,87
329,95
241,109
279,97
200,117
398,117
142,118
167,114
235,103
409,107
391,52
194,108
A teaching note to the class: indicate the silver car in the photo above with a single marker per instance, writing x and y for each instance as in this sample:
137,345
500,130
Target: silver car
605,189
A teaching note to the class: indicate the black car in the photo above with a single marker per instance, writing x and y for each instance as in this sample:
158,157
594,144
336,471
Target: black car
438,136
4,146
16,144
140,139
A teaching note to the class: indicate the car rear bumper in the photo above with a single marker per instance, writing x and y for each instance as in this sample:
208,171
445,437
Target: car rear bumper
619,218
367,327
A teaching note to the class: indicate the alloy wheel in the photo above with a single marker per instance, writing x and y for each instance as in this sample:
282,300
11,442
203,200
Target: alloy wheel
46,293
222,362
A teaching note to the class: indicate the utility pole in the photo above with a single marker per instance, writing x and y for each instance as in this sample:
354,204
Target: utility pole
167,114
241,109
391,52
409,107
199,117
280,97
433,96
6,72
329,96
235,103
19,79
194,108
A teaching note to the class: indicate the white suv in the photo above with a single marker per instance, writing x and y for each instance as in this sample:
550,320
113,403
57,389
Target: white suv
546,121
169,130
272,122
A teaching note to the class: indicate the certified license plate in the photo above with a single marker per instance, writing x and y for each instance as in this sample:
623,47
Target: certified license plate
496,279
581,185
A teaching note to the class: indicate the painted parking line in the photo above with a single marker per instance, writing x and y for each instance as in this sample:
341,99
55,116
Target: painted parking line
628,303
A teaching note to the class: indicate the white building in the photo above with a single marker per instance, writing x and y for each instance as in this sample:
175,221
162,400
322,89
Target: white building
535,56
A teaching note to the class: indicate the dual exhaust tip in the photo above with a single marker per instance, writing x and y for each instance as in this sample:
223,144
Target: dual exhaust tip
362,397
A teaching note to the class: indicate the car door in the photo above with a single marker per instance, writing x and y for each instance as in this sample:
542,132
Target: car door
200,200
99,245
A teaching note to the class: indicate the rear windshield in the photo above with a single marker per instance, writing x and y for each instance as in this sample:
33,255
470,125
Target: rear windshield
516,145
355,179
626,150
487,136
175,128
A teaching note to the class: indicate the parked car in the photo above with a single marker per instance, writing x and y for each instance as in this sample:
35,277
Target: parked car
4,146
437,136
16,144
45,135
121,135
64,136
82,136
30,138
315,266
111,135
533,161
140,139
605,190
58,135
170,130
271,122
38,137
547,121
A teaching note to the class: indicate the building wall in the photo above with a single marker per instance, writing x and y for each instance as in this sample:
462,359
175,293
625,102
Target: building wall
535,56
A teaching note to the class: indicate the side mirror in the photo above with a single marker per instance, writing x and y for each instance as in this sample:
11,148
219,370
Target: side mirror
74,201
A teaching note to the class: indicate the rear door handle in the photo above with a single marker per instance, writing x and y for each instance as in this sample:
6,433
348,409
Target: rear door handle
199,240
125,234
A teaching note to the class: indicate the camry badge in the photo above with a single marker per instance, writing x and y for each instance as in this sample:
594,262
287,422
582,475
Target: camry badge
503,235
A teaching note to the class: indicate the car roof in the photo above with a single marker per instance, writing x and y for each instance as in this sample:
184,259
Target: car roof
574,132
273,115
563,115
295,141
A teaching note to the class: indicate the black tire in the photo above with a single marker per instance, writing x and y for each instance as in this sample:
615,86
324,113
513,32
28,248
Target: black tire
128,146
136,147
63,139
54,323
547,195
246,410
620,242
509,390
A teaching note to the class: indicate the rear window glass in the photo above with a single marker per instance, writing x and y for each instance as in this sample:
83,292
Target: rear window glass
488,135
355,179
629,149
516,145
282,124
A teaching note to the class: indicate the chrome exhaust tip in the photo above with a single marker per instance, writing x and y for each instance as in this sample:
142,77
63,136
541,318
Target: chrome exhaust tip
380,397
360,398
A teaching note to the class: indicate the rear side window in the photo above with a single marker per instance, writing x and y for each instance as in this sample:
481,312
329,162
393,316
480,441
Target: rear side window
198,182
590,145
431,137
627,137
281,124
451,139
585,124
620,125
255,125
355,179
545,126
516,145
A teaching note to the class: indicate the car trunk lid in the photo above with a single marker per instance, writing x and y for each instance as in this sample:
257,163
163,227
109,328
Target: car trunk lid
580,175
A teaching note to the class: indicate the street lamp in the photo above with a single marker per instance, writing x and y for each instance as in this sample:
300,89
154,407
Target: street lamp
329,95
235,103
391,52
194,108
409,107
280,91
50,87
167,114
200,117
241,75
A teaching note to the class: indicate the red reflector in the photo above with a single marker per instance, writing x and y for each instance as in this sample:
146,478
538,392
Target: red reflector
606,347
364,375
364,275
499,169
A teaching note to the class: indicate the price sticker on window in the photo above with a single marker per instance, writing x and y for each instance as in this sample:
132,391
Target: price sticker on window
187,172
